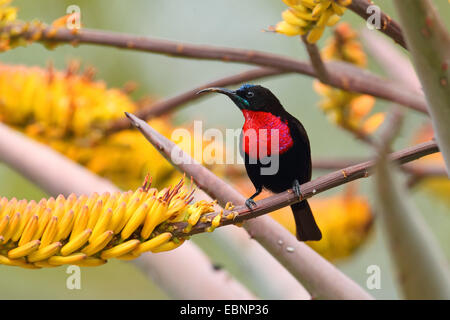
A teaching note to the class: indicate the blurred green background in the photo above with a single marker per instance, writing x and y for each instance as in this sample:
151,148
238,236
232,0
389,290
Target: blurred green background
231,23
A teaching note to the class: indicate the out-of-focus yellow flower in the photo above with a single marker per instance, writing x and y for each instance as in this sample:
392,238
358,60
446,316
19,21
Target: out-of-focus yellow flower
89,230
8,14
58,104
345,46
345,220
11,33
439,187
310,17
346,109
61,22
70,112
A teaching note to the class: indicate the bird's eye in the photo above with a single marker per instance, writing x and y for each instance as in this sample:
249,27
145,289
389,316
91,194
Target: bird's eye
250,94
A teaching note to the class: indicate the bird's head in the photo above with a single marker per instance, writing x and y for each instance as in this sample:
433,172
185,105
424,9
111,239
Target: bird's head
250,97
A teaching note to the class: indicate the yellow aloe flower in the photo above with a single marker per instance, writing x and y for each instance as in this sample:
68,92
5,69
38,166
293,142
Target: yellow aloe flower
346,109
70,112
438,187
345,220
89,230
310,17
10,33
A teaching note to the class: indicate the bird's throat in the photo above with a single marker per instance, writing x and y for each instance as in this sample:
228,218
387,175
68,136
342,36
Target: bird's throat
265,134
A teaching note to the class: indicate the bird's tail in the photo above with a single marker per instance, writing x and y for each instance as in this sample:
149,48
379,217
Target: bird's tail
307,228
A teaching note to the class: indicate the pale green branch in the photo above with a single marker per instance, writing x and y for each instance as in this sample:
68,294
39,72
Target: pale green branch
429,44
421,267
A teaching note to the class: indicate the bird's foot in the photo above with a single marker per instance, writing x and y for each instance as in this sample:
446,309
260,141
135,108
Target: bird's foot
250,203
296,188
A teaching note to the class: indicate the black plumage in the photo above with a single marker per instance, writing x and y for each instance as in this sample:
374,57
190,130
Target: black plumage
262,108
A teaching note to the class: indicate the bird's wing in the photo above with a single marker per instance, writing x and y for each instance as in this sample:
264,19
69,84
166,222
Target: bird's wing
301,140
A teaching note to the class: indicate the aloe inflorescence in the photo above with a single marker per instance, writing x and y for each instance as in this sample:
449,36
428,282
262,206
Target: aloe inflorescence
89,230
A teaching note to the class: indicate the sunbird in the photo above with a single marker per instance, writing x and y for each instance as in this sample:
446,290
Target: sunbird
270,134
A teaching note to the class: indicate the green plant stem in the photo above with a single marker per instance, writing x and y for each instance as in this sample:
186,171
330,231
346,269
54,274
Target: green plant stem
429,44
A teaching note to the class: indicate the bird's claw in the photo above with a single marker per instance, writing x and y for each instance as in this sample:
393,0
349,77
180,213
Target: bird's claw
250,203
296,189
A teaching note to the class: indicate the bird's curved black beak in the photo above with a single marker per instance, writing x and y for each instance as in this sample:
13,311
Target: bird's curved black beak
239,101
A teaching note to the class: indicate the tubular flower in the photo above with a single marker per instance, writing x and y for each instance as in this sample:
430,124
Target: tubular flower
346,109
437,186
70,112
310,17
89,230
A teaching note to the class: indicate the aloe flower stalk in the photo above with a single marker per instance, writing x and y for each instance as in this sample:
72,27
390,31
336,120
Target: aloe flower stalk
89,230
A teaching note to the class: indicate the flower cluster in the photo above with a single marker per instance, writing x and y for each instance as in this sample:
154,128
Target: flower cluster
89,230
346,109
7,13
310,17
70,112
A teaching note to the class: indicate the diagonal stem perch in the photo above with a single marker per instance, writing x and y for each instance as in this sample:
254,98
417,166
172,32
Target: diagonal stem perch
318,276
415,170
309,189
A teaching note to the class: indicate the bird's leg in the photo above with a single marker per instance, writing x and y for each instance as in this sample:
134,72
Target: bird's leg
296,188
250,202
